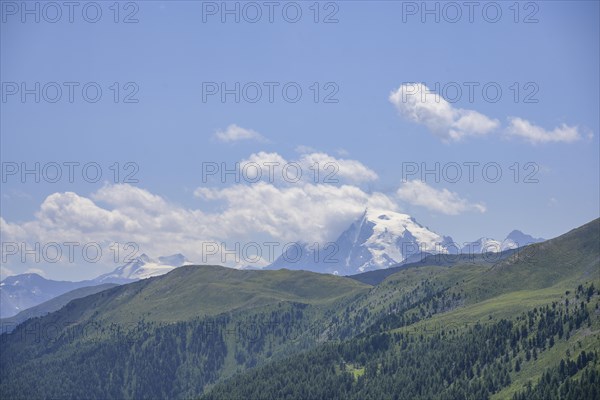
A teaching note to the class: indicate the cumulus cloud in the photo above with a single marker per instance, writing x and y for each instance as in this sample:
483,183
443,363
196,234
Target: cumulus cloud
264,166
68,217
314,167
244,212
418,104
235,133
249,213
230,214
350,170
71,211
535,134
443,201
308,212
10,230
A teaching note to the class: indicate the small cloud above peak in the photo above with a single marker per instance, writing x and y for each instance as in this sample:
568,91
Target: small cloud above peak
235,133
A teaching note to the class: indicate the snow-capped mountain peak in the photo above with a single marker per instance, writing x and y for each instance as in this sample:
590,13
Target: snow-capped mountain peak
377,239
395,237
23,291
143,267
514,240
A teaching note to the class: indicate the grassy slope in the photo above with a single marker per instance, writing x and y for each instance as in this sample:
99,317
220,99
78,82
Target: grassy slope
438,260
537,278
196,291
565,261
539,274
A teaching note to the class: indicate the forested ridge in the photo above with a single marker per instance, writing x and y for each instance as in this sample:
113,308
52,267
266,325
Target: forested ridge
473,364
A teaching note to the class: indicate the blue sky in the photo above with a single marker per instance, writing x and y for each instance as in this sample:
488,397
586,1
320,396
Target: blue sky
170,54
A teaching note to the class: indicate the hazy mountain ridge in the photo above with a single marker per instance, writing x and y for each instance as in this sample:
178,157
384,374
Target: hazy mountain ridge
54,304
143,267
513,240
20,292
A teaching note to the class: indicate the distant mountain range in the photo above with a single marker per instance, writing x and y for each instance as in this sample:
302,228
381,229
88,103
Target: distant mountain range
377,240
54,304
514,240
380,239
21,292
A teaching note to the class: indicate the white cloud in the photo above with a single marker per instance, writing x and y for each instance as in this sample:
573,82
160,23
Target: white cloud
535,134
444,201
249,213
235,133
121,213
417,103
157,227
73,212
13,231
350,170
312,167
263,166
242,213
130,197
311,212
